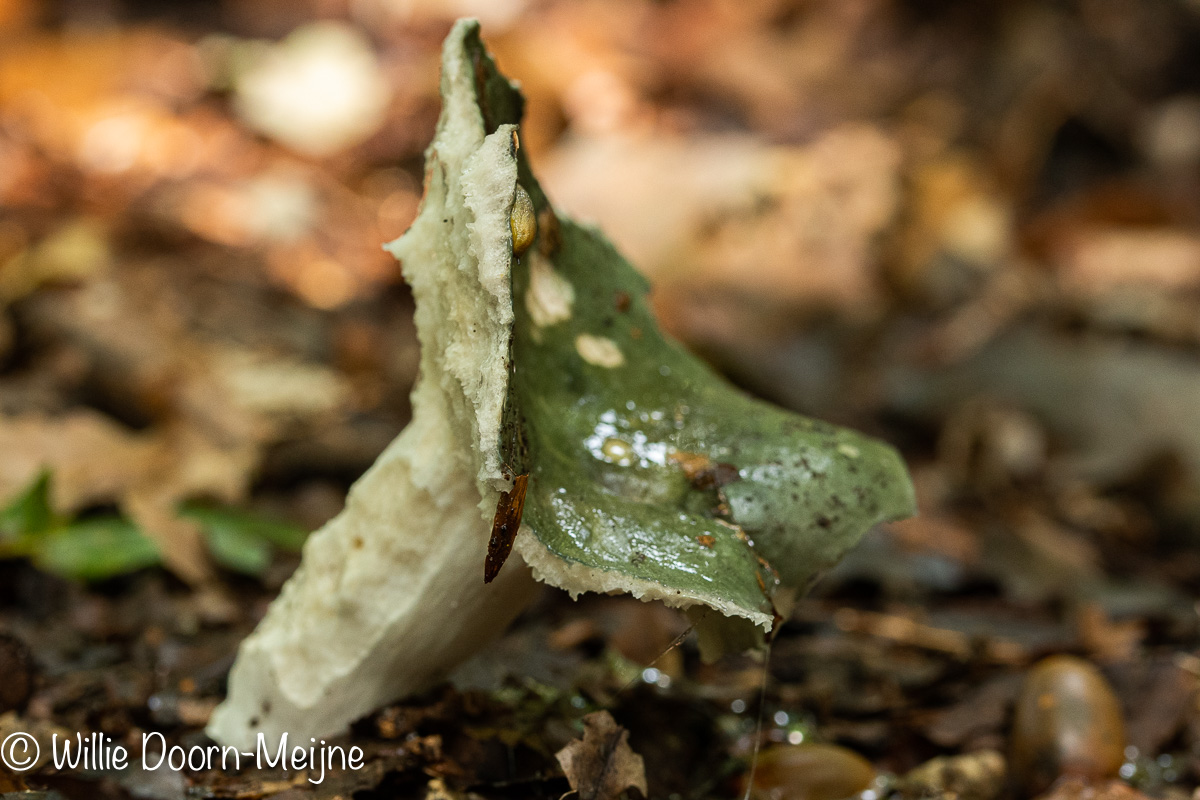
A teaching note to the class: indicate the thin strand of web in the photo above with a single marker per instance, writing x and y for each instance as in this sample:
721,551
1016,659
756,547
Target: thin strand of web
758,727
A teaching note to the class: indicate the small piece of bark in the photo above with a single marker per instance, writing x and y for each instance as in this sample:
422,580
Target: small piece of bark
601,765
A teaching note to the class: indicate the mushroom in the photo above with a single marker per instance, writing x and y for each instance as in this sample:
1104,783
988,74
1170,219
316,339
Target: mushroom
556,434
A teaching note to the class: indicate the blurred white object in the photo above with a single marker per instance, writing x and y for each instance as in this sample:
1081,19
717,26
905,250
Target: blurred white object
281,205
318,91
1171,134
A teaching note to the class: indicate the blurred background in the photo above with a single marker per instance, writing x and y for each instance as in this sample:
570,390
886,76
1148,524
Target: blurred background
970,228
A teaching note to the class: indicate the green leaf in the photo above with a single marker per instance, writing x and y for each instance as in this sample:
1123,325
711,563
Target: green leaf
94,549
649,472
102,548
232,549
29,512
242,541
91,550
283,535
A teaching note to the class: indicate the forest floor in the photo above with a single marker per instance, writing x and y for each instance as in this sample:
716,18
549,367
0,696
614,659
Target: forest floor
970,229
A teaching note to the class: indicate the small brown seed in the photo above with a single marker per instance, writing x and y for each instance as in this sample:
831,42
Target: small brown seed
522,222
810,771
1067,721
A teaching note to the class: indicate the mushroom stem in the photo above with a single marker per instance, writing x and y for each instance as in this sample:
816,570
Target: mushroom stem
389,596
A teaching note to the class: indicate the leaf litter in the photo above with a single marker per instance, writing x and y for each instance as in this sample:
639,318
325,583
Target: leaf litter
1035,146
601,765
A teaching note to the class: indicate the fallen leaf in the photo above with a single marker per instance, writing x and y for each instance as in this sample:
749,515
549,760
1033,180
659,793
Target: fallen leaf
601,765
753,225
981,712
92,458
1162,695
1097,260
180,540
96,550
1107,640
242,541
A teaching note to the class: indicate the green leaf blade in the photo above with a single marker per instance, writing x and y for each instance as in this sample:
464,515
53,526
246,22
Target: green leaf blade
29,513
95,550
242,541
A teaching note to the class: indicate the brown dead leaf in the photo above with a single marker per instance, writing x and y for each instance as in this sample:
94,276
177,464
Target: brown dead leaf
92,458
1109,641
651,194
75,92
807,238
1162,694
94,461
783,225
1100,259
602,765
214,408
180,541
980,713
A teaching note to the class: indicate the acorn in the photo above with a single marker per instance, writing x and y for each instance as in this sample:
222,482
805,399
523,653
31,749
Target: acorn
810,771
1068,721
522,221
